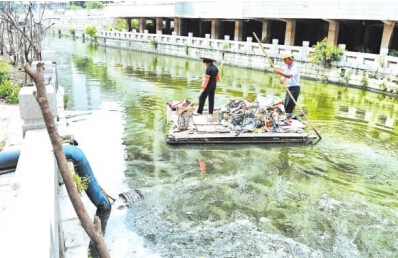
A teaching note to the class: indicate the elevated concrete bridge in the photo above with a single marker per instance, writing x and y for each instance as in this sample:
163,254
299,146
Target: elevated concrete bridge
357,24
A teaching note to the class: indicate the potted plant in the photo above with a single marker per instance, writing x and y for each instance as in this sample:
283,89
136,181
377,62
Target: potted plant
326,53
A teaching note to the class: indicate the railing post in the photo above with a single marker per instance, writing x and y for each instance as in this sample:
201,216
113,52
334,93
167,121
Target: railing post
305,50
249,41
343,57
274,48
207,40
190,35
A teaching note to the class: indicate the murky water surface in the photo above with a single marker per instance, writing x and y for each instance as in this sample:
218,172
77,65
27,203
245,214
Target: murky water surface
333,198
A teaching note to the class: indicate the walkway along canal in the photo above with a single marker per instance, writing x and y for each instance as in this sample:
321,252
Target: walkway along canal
335,198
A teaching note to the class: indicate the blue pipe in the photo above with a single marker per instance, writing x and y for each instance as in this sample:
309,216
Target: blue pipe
82,167
9,159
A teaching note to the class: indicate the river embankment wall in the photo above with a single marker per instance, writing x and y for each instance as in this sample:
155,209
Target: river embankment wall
374,72
36,216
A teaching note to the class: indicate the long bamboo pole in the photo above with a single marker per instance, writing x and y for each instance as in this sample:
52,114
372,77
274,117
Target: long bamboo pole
287,90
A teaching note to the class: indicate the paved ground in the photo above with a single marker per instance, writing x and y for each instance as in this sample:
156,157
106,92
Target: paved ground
10,125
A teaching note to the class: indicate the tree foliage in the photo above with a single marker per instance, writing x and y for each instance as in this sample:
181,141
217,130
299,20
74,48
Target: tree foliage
94,4
324,51
17,20
121,24
91,31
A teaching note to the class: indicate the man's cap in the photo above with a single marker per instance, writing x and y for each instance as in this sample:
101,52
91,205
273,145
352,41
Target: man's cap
208,58
287,55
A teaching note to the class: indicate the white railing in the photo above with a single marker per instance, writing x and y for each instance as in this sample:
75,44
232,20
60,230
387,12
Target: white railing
349,59
355,60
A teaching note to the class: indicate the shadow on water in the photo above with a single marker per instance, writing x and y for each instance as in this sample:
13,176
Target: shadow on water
333,198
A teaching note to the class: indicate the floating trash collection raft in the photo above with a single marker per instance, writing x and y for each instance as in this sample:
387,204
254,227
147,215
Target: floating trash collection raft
240,121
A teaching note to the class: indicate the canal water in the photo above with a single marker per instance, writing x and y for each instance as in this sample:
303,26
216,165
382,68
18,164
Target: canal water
332,198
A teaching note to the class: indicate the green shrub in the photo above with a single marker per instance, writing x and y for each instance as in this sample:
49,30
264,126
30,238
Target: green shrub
393,52
91,31
72,32
66,100
121,24
266,39
4,70
154,43
134,24
362,49
323,51
9,91
81,182
186,48
364,80
107,27
93,4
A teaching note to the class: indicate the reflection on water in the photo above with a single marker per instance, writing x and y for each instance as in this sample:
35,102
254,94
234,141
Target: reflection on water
336,198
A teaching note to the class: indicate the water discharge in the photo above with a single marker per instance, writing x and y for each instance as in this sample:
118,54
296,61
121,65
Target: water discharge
333,198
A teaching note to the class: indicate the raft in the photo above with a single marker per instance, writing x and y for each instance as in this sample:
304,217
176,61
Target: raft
187,128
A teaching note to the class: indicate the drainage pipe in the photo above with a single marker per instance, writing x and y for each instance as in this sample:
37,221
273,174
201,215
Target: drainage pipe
9,160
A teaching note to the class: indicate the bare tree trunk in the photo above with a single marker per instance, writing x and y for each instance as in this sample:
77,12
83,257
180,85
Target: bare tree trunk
92,229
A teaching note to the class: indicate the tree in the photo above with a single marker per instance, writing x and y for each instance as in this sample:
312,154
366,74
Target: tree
31,37
19,20
324,52
91,31
94,4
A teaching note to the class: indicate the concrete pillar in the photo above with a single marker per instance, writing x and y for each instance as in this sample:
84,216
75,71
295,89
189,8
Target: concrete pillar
128,24
30,110
28,107
333,33
266,27
238,36
180,27
159,24
290,32
177,26
215,29
387,34
142,24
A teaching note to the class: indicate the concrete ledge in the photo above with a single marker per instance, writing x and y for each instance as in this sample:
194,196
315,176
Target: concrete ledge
29,224
30,109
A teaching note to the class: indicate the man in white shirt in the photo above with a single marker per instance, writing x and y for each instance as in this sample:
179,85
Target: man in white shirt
291,75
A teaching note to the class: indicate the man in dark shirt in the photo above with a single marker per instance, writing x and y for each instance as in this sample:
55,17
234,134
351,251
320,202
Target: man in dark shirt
209,84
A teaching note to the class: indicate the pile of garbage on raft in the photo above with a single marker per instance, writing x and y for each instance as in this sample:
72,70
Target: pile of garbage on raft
266,114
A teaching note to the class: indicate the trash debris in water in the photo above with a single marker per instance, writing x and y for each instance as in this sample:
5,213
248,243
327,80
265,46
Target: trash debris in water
202,165
129,198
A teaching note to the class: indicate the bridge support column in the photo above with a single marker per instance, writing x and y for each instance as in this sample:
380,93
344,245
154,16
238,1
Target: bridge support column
128,24
142,24
159,24
333,33
387,35
266,27
238,30
215,29
290,32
